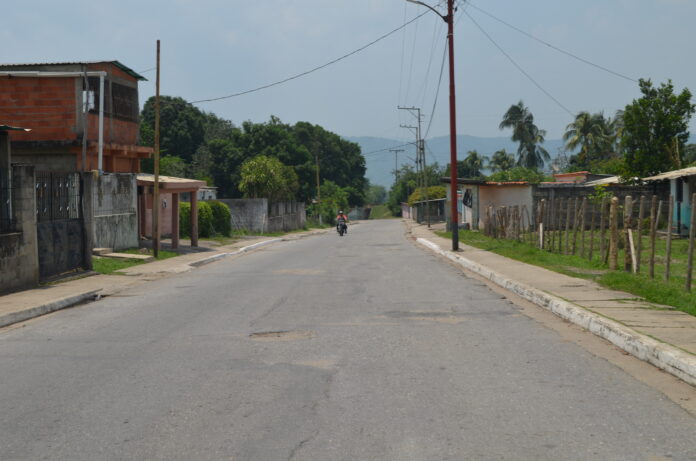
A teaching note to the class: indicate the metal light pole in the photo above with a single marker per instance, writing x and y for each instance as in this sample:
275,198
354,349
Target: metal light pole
449,19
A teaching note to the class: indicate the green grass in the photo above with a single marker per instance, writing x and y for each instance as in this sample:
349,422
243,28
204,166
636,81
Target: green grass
381,212
109,266
655,290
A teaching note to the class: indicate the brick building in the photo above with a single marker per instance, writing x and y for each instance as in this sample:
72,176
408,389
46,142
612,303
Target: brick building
71,131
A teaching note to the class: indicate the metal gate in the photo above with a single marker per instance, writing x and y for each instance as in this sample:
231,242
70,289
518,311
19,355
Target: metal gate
60,228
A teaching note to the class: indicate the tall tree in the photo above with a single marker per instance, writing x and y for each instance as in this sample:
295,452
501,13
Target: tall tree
589,132
656,129
267,177
181,126
501,161
530,153
470,166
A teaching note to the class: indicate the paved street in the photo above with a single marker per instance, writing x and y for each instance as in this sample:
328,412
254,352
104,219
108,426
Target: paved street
364,347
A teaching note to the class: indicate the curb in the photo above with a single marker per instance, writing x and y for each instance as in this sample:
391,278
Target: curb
661,355
21,316
210,259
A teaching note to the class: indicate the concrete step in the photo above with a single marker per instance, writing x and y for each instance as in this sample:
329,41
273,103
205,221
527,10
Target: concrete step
145,258
101,251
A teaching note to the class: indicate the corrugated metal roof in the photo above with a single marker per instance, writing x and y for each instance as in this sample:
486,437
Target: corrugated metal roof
118,64
674,174
506,183
600,182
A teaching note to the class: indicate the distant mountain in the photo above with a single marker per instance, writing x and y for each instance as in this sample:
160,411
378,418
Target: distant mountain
380,162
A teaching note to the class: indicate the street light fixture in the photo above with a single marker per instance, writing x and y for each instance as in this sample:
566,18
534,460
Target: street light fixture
449,19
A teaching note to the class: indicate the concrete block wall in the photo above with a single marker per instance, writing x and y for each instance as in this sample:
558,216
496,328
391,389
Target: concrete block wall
248,214
256,215
286,216
114,211
19,260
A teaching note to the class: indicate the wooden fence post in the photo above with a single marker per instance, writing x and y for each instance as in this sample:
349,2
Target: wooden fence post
653,234
628,248
592,230
639,233
567,226
613,233
602,229
541,224
668,247
692,234
582,227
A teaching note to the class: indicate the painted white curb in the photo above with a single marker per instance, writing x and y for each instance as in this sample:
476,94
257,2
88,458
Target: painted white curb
21,316
668,358
219,256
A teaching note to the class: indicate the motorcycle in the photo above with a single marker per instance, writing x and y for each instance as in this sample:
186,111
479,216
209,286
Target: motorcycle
341,227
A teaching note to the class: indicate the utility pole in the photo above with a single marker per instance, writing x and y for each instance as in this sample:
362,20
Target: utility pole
420,155
396,163
155,201
449,19
316,159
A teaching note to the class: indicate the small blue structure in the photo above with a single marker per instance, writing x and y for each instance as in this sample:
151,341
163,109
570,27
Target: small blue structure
682,185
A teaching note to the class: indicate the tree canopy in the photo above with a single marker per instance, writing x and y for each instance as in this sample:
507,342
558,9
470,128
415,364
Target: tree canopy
205,146
530,153
656,129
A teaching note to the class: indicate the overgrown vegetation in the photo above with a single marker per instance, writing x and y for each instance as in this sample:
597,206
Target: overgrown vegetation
204,146
670,293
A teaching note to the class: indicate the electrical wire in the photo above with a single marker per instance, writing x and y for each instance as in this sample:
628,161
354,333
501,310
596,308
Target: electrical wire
567,53
526,74
437,92
307,72
387,148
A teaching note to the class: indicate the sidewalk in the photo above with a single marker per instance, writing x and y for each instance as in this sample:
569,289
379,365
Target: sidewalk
25,305
654,333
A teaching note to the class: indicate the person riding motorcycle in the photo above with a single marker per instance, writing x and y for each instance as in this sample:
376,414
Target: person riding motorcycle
341,218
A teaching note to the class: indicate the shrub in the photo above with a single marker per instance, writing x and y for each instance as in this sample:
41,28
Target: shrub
221,218
205,219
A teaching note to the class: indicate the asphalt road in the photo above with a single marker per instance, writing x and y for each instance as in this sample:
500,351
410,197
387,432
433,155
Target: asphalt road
356,348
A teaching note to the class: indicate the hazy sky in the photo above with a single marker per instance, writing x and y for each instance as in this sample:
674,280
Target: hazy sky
213,48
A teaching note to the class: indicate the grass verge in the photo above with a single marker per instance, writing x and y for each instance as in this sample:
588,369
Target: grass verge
655,290
110,266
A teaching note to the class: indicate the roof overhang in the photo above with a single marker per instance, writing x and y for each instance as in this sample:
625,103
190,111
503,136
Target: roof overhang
691,171
171,183
13,128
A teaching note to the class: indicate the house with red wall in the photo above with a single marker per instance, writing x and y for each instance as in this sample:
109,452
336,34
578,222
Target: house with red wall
83,115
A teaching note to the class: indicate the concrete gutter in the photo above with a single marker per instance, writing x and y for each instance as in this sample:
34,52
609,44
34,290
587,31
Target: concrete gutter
661,355
20,316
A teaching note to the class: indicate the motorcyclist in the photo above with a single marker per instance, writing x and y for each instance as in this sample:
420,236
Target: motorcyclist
341,217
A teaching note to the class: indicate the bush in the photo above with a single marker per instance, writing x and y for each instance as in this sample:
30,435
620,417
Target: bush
221,218
205,219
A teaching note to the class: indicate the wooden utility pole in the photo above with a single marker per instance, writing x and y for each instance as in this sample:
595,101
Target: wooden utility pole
396,163
156,201
316,159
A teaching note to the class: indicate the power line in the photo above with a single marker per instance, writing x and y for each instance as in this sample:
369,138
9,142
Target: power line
307,72
437,92
387,148
567,53
519,67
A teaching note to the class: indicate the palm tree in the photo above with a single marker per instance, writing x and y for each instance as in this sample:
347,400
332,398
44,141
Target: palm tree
591,133
530,153
501,161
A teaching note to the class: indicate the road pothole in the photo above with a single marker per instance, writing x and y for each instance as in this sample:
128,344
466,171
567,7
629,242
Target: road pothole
440,317
289,335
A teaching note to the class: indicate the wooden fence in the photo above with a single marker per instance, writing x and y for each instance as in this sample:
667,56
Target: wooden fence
631,235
